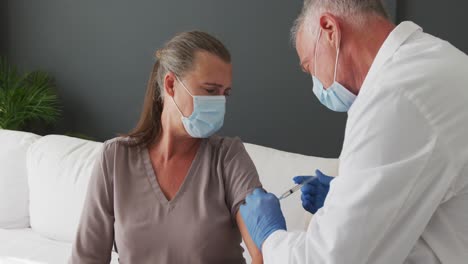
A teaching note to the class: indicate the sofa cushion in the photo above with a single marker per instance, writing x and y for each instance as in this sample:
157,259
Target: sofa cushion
59,168
277,168
24,246
13,178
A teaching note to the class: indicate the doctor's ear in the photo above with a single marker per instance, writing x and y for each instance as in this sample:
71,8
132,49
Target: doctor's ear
331,30
169,83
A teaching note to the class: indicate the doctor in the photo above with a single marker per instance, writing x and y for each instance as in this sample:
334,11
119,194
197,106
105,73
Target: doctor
402,191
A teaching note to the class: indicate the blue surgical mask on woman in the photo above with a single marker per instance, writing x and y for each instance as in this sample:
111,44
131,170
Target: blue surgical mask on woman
337,98
207,116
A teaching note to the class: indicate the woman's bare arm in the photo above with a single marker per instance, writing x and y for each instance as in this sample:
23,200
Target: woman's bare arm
254,252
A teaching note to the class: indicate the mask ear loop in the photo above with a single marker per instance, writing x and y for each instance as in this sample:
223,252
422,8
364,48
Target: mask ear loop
319,34
337,56
173,100
185,87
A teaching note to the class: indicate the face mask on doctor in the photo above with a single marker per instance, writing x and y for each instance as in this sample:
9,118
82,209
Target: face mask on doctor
207,116
337,98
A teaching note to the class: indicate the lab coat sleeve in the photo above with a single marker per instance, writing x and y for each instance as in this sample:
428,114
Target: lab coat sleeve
385,194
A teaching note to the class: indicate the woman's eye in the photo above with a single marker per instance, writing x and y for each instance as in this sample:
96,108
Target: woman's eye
210,91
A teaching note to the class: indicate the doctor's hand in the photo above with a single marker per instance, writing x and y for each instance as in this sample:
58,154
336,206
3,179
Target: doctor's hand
262,215
314,193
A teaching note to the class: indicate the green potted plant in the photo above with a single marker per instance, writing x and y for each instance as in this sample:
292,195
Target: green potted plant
26,98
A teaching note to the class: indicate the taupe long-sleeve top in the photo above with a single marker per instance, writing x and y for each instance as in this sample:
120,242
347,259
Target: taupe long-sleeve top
124,201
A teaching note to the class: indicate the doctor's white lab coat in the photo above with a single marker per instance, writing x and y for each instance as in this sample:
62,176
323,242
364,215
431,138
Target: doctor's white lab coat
402,191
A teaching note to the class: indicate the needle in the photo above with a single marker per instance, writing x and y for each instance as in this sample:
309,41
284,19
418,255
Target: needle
295,188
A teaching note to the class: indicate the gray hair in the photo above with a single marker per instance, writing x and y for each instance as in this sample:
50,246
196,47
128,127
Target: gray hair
354,11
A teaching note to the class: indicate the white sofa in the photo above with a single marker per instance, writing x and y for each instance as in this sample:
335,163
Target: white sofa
43,183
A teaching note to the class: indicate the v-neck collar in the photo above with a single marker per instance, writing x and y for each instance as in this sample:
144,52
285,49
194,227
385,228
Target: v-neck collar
151,174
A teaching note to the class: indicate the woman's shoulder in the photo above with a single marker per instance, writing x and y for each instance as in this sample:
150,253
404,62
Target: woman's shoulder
116,151
118,144
121,140
226,146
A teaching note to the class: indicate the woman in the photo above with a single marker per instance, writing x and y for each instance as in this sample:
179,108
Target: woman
169,192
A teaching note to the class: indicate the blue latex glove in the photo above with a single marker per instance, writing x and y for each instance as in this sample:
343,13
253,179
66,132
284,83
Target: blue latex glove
314,193
262,215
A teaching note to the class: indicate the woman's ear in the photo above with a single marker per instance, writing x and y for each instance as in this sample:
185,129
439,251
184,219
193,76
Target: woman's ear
169,84
330,29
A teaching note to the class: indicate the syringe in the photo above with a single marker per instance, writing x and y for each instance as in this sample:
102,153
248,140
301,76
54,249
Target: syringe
295,188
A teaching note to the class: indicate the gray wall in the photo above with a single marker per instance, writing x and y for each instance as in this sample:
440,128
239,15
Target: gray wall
100,54
3,27
445,19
